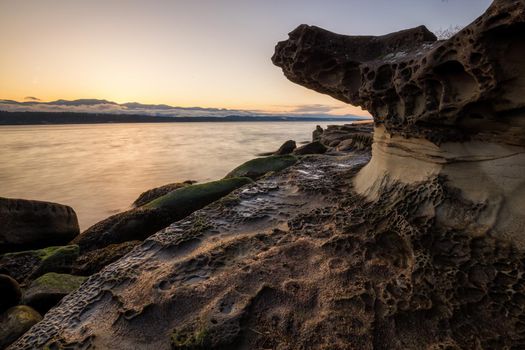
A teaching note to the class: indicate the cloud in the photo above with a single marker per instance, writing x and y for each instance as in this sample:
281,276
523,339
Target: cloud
31,98
313,108
108,107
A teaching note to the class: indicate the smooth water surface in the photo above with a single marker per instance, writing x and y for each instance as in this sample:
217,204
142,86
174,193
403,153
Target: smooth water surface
100,169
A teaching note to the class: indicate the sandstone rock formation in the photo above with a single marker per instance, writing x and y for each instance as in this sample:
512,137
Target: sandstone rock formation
454,108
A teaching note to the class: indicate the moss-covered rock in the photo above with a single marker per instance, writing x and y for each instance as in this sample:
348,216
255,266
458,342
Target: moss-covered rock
258,167
191,198
140,223
15,322
154,193
47,290
9,292
33,263
28,224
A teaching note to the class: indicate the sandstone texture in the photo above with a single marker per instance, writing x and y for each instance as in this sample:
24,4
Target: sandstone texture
454,108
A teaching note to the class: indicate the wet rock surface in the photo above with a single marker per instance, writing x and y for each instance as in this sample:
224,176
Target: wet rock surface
27,224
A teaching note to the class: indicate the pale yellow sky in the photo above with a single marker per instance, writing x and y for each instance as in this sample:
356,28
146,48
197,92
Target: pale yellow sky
182,53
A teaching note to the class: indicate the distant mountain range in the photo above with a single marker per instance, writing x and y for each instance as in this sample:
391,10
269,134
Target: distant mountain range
104,111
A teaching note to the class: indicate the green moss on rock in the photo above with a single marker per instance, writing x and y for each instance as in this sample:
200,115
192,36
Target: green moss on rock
34,263
258,167
194,197
186,339
59,282
15,322
47,290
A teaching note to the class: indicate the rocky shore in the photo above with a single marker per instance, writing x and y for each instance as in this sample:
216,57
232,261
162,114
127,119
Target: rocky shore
405,233
46,257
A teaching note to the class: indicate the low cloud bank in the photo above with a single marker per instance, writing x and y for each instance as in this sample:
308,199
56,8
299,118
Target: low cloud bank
108,107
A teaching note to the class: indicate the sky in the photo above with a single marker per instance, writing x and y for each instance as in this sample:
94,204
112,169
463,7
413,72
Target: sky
207,53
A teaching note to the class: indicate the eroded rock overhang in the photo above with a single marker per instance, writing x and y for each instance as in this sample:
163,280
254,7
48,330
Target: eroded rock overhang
453,108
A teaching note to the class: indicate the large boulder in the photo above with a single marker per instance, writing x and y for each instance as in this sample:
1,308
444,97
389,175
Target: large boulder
157,192
259,167
15,322
33,263
28,224
140,223
47,290
10,292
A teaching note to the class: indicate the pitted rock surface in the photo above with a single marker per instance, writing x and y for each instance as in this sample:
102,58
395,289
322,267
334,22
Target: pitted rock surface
453,108
471,86
298,261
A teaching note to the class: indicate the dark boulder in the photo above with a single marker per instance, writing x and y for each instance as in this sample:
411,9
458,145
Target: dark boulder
317,133
286,148
28,224
47,290
15,322
315,147
10,293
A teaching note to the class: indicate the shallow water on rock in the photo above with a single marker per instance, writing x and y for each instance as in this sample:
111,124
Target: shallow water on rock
100,169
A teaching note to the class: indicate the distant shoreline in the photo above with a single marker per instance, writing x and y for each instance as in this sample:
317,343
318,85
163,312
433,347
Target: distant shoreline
53,118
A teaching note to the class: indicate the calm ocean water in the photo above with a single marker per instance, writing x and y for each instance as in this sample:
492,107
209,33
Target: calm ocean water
100,169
